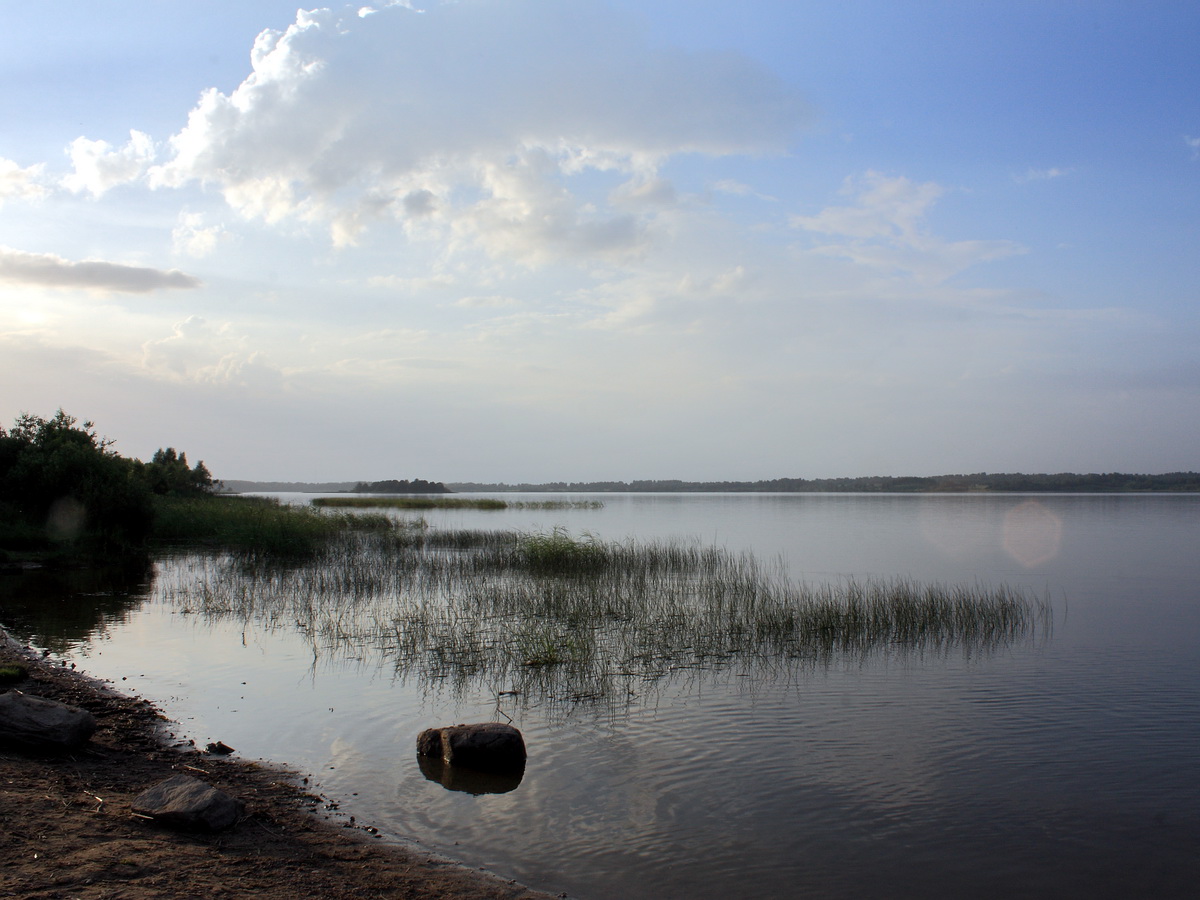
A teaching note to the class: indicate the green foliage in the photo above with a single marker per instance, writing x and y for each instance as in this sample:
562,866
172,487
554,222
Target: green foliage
558,553
63,487
402,486
410,502
260,526
1062,482
64,490
167,474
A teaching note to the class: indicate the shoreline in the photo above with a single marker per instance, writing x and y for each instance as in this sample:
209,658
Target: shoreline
66,827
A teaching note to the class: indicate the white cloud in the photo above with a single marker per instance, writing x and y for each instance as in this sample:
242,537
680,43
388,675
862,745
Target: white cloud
886,229
20,184
48,270
1041,175
196,351
737,189
192,237
99,166
482,122
487,301
1194,143
438,283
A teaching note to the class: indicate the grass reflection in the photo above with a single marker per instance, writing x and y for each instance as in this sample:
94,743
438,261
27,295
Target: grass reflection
563,617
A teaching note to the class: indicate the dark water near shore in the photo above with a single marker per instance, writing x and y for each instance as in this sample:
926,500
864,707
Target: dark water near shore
1065,764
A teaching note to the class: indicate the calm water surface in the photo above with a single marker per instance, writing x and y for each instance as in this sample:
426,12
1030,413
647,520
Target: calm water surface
1065,765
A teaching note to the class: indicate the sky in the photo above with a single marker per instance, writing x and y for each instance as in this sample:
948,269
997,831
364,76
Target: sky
574,240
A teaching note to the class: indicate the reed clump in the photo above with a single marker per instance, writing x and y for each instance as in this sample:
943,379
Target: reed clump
422,502
257,526
576,616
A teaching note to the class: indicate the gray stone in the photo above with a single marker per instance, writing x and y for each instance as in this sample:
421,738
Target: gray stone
187,803
468,781
488,746
43,726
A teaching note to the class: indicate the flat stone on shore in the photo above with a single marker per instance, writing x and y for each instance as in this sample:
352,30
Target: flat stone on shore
38,725
188,804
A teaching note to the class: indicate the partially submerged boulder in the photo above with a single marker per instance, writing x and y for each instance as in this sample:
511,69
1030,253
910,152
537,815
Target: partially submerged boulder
487,747
468,781
189,804
39,725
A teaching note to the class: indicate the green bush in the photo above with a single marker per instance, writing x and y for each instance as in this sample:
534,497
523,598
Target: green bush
62,486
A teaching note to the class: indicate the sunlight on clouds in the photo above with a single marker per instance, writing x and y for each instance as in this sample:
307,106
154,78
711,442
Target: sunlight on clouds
886,227
471,122
50,271
196,351
191,237
99,166
491,301
419,285
20,184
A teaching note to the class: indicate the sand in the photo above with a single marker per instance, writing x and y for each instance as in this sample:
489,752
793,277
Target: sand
67,830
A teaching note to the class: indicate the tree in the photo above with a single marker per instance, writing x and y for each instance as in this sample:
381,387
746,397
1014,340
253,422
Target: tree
60,480
167,474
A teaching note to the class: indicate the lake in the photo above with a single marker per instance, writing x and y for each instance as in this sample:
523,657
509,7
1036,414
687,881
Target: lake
1065,763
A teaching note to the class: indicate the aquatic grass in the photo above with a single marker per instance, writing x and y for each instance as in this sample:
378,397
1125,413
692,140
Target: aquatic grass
576,617
260,526
423,502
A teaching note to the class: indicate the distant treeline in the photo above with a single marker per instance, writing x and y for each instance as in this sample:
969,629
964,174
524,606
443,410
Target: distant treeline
1108,482
392,486
279,487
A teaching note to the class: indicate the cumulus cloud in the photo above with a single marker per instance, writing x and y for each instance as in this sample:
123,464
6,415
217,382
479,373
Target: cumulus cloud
475,121
99,166
20,184
886,230
197,351
47,270
1194,143
192,237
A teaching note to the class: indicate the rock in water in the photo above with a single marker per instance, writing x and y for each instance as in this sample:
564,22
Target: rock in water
42,726
488,746
188,803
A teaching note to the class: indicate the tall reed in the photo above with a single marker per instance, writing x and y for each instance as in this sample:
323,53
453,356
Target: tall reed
572,617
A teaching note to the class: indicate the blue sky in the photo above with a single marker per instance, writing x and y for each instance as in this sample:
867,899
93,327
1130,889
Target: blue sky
527,240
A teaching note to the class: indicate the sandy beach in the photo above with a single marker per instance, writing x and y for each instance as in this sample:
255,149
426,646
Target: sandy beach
67,830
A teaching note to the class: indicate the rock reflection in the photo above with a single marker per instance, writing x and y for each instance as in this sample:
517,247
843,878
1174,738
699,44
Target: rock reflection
468,781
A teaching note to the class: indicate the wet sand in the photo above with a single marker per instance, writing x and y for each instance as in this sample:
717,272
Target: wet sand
67,830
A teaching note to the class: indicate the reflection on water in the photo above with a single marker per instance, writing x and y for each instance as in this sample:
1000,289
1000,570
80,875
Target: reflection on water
1032,534
469,781
478,611
56,609
1058,767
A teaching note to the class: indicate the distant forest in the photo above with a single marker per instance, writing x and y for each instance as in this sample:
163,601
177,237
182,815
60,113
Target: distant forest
416,486
1068,482
1064,482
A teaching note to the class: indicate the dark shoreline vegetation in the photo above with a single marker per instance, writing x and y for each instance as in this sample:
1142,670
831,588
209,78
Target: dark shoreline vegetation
982,482
482,503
